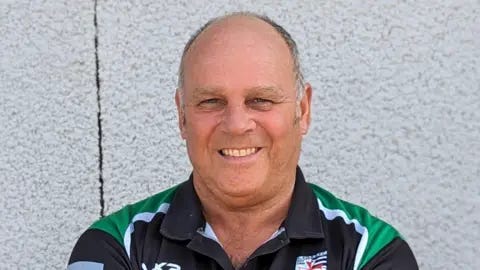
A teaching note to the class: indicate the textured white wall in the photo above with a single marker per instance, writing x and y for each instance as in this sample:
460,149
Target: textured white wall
48,131
396,124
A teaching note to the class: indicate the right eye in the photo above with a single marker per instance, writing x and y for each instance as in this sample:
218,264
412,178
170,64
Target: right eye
210,101
211,104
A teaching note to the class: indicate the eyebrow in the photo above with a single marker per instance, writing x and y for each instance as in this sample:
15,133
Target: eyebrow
201,92
209,91
268,89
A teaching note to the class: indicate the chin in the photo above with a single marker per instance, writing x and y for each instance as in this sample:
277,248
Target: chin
240,185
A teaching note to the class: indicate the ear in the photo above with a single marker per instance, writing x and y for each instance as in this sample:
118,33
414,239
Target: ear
305,105
180,112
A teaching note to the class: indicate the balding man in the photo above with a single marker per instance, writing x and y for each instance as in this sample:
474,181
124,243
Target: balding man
243,109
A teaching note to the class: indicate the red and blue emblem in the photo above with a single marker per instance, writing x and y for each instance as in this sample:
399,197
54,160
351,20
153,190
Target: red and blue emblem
314,262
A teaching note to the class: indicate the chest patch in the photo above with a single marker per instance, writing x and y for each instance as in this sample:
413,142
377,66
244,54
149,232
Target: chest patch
314,262
163,266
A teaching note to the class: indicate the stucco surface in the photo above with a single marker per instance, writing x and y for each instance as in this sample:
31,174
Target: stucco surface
396,115
48,132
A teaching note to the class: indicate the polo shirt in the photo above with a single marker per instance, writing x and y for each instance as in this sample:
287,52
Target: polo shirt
168,231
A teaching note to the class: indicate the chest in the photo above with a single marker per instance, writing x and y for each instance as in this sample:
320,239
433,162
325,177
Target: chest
206,254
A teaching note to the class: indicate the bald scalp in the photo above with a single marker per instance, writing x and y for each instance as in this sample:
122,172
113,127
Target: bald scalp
248,21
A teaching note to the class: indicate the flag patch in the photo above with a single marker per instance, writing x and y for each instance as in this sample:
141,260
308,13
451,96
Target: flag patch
314,262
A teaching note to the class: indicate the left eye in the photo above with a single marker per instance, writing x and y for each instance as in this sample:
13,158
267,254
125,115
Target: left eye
260,104
260,101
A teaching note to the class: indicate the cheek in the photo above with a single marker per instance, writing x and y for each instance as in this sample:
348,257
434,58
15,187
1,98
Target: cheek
278,126
199,128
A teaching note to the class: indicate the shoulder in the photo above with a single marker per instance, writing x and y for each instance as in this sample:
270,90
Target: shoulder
119,223
106,243
375,234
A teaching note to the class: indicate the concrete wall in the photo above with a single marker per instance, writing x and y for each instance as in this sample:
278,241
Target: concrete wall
396,116
48,131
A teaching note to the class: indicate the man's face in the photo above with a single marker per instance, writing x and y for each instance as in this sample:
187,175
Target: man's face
240,117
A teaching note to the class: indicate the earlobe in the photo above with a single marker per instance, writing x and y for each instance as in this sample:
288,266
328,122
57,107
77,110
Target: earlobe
180,112
181,123
305,105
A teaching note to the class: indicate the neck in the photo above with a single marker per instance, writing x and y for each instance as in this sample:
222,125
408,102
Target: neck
269,213
244,224
255,210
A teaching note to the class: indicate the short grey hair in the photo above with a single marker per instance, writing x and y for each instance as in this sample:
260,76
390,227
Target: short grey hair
292,46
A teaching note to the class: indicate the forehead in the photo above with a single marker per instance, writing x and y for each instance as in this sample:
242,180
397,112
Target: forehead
239,52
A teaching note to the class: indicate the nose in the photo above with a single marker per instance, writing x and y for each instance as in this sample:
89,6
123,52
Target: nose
237,120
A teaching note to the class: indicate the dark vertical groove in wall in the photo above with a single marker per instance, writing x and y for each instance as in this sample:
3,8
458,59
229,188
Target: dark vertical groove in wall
99,115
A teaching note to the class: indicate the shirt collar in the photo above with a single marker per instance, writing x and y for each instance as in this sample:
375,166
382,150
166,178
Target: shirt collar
184,217
303,219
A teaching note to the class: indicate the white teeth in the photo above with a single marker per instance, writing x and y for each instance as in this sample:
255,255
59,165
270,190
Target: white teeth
238,152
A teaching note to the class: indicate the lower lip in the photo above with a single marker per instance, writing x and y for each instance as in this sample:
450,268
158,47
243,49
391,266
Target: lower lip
242,159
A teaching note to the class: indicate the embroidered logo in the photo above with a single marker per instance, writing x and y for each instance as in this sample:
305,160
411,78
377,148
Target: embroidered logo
163,266
314,262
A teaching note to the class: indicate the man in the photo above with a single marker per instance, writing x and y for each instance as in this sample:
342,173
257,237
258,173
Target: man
243,108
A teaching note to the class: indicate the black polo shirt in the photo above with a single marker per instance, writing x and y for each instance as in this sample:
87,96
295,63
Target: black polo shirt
168,231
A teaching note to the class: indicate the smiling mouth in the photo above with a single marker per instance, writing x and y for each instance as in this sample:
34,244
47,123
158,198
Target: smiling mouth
242,152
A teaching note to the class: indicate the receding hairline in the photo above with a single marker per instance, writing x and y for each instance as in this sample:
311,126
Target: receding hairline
286,37
230,20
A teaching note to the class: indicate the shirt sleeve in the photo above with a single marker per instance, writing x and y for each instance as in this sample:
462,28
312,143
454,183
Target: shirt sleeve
397,255
97,250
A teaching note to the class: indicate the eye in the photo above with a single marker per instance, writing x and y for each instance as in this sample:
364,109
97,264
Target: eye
210,101
261,100
211,104
260,104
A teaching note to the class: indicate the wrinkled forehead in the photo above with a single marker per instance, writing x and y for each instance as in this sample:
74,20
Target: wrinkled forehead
239,52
